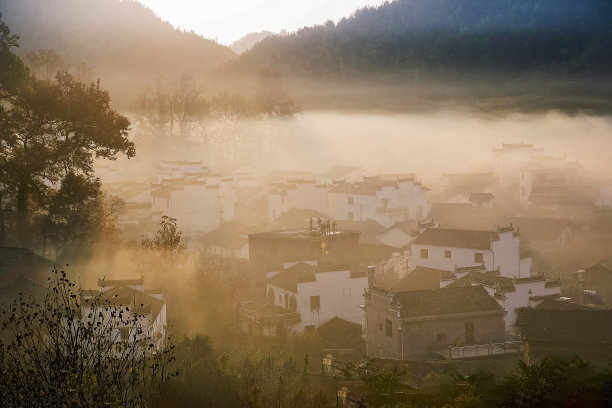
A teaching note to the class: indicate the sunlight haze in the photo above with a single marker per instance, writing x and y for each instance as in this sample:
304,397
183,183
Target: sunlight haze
228,21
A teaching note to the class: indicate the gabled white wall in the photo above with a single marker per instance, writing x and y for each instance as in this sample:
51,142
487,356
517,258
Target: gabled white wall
340,296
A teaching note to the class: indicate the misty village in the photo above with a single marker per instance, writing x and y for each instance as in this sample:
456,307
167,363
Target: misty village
381,204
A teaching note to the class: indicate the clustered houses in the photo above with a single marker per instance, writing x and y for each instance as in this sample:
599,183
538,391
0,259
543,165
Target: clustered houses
305,295
548,180
301,194
508,159
411,324
492,259
136,313
384,199
446,249
380,199
443,279
198,199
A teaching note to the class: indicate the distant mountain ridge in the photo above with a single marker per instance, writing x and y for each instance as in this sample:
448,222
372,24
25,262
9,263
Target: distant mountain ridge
247,42
122,41
501,35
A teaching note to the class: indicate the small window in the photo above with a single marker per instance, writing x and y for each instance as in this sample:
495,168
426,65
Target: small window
349,199
315,303
478,257
441,337
388,328
351,217
424,253
447,253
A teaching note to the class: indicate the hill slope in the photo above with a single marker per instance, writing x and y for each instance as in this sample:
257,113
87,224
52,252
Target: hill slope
502,35
123,42
247,42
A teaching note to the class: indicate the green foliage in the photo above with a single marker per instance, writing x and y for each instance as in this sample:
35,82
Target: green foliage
445,36
123,41
167,240
79,214
64,351
562,381
51,131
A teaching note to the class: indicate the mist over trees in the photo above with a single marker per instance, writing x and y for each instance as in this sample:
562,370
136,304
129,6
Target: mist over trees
248,41
52,129
179,114
125,42
477,35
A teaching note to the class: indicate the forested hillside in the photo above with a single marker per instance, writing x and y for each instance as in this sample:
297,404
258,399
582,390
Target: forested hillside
121,42
503,35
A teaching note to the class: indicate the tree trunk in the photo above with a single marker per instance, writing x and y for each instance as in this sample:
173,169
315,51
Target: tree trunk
22,215
2,225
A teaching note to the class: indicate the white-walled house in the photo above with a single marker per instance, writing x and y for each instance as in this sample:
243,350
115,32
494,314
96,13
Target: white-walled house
300,194
383,201
486,258
178,169
513,294
348,174
605,195
509,158
307,295
447,249
548,179
194,204
122,301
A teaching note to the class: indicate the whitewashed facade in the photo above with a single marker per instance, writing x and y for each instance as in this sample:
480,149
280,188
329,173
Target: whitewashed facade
318,294
301,194
383,201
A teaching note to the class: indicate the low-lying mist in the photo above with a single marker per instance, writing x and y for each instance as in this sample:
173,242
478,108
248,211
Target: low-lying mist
424,144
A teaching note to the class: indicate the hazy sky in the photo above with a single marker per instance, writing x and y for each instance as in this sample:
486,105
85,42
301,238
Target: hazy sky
228,20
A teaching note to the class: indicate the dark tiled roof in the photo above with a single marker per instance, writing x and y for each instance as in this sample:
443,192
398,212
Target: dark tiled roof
337,327
540,229
21,285
469,179
556,304
578,326
448,301
304,272
605,266
494,281
408,226
297,218
289,278
457,238
230,234
420,278
369,188
25,262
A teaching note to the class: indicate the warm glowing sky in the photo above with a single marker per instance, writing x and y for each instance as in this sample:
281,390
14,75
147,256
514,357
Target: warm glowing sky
228,20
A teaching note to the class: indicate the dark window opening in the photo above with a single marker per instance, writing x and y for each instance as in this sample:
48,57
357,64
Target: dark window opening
388,328
315,303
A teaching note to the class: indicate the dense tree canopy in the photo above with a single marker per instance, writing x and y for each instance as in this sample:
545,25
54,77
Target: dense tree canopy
502,35
51,130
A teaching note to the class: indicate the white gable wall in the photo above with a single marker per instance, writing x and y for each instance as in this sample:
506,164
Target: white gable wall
339,296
